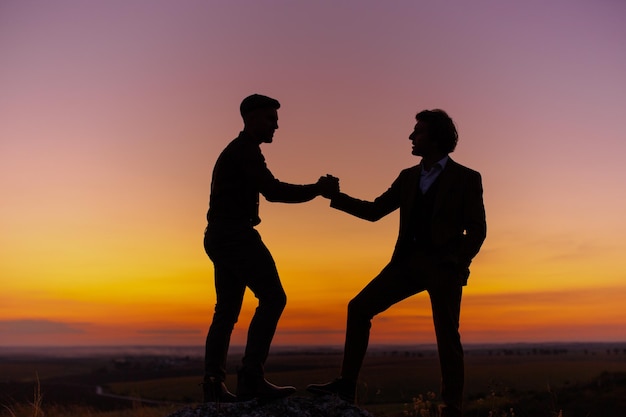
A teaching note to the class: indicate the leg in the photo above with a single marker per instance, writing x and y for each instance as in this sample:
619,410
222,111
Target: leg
229,288
266,286
446,307
395,283
229,250
230,294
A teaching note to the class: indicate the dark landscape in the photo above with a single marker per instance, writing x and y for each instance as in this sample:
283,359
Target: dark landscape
567,380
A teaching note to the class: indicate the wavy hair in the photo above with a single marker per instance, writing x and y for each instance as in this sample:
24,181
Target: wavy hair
440,127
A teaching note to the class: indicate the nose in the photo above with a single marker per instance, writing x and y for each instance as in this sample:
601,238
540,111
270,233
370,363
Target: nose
412,136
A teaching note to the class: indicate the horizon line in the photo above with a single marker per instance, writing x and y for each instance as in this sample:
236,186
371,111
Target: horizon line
310,346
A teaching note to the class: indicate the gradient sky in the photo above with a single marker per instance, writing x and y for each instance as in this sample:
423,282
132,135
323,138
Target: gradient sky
112,114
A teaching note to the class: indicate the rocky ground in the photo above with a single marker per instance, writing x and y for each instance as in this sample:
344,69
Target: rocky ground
286,407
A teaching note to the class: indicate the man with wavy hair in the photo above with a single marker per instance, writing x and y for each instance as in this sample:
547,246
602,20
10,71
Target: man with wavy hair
442,227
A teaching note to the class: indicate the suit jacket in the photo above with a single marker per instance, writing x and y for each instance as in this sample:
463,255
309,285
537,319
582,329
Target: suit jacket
457,227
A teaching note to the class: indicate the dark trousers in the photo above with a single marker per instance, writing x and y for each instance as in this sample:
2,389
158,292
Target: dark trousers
397,281
242,260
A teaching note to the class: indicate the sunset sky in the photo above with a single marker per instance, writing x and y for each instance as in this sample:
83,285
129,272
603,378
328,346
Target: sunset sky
112,114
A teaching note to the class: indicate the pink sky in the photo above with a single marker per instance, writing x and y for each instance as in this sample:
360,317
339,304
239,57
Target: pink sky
113,113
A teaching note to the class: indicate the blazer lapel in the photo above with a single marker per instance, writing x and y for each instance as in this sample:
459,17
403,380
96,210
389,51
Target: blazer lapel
446,179
413,185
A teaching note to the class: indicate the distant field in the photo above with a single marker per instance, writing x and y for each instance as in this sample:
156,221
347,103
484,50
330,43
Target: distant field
390,380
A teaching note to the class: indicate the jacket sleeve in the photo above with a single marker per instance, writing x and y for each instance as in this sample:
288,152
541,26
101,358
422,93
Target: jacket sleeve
369,210
276,191
474,220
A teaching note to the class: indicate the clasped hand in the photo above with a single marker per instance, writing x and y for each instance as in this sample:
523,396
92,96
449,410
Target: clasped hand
328,185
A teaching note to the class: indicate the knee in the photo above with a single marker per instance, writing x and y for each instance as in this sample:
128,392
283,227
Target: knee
357,309
225,316
281,301
276,302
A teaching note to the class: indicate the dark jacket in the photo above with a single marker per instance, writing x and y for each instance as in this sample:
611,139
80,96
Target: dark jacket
240,174
457,226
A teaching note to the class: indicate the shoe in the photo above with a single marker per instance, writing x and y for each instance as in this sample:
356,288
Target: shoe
215,391
345,389
253,386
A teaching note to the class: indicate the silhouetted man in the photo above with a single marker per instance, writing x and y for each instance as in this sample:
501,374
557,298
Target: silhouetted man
442,227
239,256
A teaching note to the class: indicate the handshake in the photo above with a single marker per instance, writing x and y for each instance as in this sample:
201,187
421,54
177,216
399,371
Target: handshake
328,186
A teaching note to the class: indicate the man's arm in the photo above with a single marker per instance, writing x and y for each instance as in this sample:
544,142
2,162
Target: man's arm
369,210
474,220
277,191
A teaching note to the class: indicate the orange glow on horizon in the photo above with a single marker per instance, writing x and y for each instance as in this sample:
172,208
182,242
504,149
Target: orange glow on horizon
108,140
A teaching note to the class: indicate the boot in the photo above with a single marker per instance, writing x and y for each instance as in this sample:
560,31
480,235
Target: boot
215,391
255,386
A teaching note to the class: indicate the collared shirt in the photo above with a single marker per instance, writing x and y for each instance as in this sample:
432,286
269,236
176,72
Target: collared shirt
427,178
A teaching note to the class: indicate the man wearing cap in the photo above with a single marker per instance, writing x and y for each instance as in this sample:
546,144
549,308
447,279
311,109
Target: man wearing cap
240,257
442,227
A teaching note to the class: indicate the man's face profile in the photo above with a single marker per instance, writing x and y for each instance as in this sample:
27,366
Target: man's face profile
262,123
420,139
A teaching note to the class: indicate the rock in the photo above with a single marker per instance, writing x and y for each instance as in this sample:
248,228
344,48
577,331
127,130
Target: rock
287,407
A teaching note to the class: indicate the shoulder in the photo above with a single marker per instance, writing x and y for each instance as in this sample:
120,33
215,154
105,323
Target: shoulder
459,169
410,172
243,147
407,176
